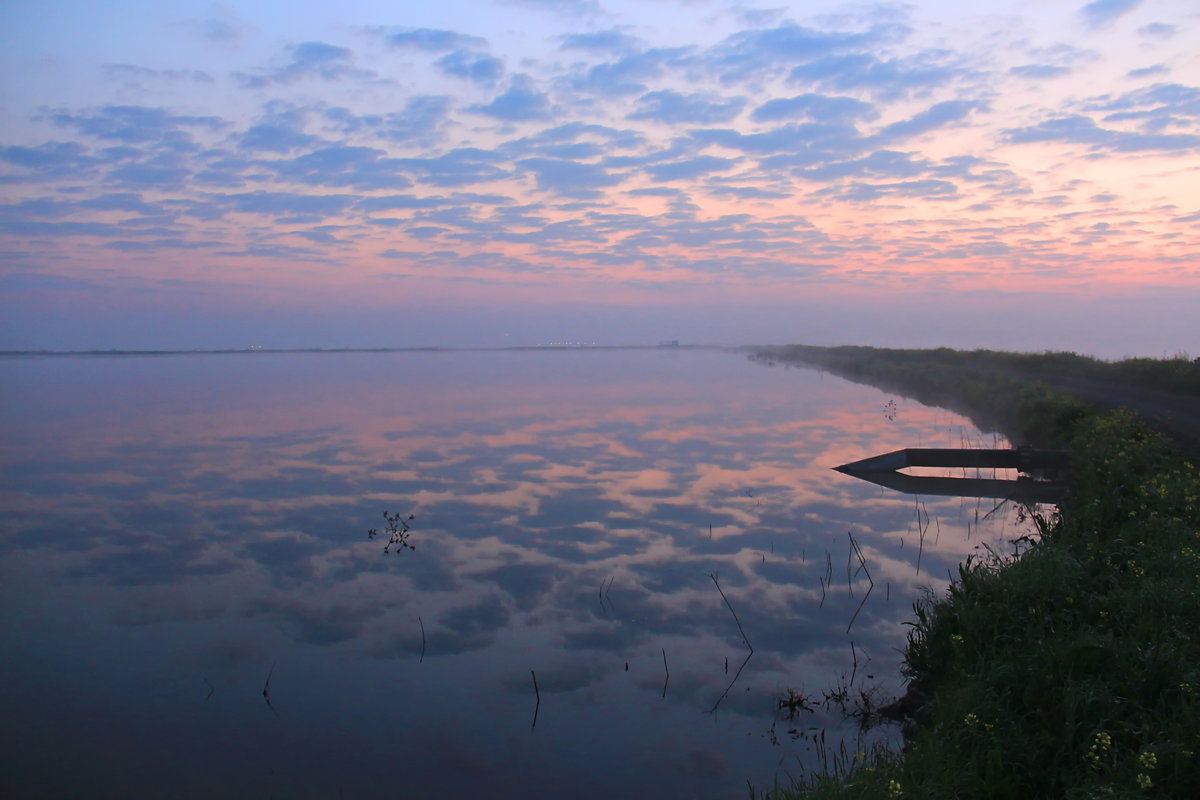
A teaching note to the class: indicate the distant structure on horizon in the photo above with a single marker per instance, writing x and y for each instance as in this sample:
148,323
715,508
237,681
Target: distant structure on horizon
669,343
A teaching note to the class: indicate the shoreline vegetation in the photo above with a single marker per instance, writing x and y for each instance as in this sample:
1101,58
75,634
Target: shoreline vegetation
1070,668
1032,398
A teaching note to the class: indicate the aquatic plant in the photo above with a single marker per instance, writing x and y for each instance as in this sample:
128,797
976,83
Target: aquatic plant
397,532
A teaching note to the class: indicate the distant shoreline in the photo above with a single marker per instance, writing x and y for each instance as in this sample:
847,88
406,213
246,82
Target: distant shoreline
294,350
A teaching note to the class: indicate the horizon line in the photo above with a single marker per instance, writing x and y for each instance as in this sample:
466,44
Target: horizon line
115,351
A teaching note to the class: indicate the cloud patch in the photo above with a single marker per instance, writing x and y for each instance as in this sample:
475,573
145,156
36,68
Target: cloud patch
1039,71
674,108
936,116
522,102
458,167
222,27
930,189
1158,30
318,60
1148,72
814,107
280,203
476,67
569,178
281,130
49,160
627,75
1079,129
134,77
769,50
137,124
431,40
340,165
1100,13
888,78
689,169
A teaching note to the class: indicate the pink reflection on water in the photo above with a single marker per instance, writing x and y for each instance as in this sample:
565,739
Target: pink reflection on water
226,504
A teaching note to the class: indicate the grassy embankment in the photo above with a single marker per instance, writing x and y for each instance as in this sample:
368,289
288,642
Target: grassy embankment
1073,670
1179,374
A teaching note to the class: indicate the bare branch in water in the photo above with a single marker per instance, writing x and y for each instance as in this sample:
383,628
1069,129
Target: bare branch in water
538,705
862,566
749,646
745,639
266,692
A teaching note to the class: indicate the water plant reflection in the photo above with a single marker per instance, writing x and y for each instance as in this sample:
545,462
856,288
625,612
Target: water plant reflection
397,531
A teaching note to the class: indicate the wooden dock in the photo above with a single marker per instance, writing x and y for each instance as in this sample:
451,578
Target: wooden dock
1023,459
885,470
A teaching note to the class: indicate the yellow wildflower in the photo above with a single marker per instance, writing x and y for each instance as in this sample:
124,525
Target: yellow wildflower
1101,743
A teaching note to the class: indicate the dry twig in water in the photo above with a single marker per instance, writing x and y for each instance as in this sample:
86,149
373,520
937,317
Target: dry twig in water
745,639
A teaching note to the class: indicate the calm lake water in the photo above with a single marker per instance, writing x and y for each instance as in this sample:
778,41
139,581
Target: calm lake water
177,530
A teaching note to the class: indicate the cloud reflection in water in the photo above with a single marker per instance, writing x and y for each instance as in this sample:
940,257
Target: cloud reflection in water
207,517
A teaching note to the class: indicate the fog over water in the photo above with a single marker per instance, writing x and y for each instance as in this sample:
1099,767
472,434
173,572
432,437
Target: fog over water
181,534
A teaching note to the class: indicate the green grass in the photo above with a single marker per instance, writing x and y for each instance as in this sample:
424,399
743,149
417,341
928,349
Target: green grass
1070,670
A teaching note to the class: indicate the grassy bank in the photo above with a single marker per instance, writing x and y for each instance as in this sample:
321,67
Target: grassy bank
1179,374
1026,396
1072,670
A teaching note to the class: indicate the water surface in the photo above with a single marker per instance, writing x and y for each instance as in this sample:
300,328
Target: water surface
178,529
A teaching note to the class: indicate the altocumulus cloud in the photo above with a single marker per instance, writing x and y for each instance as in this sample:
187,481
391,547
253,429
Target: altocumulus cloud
577,144
522,102
310,60
1099,13
1080,129
673,107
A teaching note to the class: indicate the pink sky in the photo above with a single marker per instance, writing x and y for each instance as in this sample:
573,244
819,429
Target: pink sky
518,172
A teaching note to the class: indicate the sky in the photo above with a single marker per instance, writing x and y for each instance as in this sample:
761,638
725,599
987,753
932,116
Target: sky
469,173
